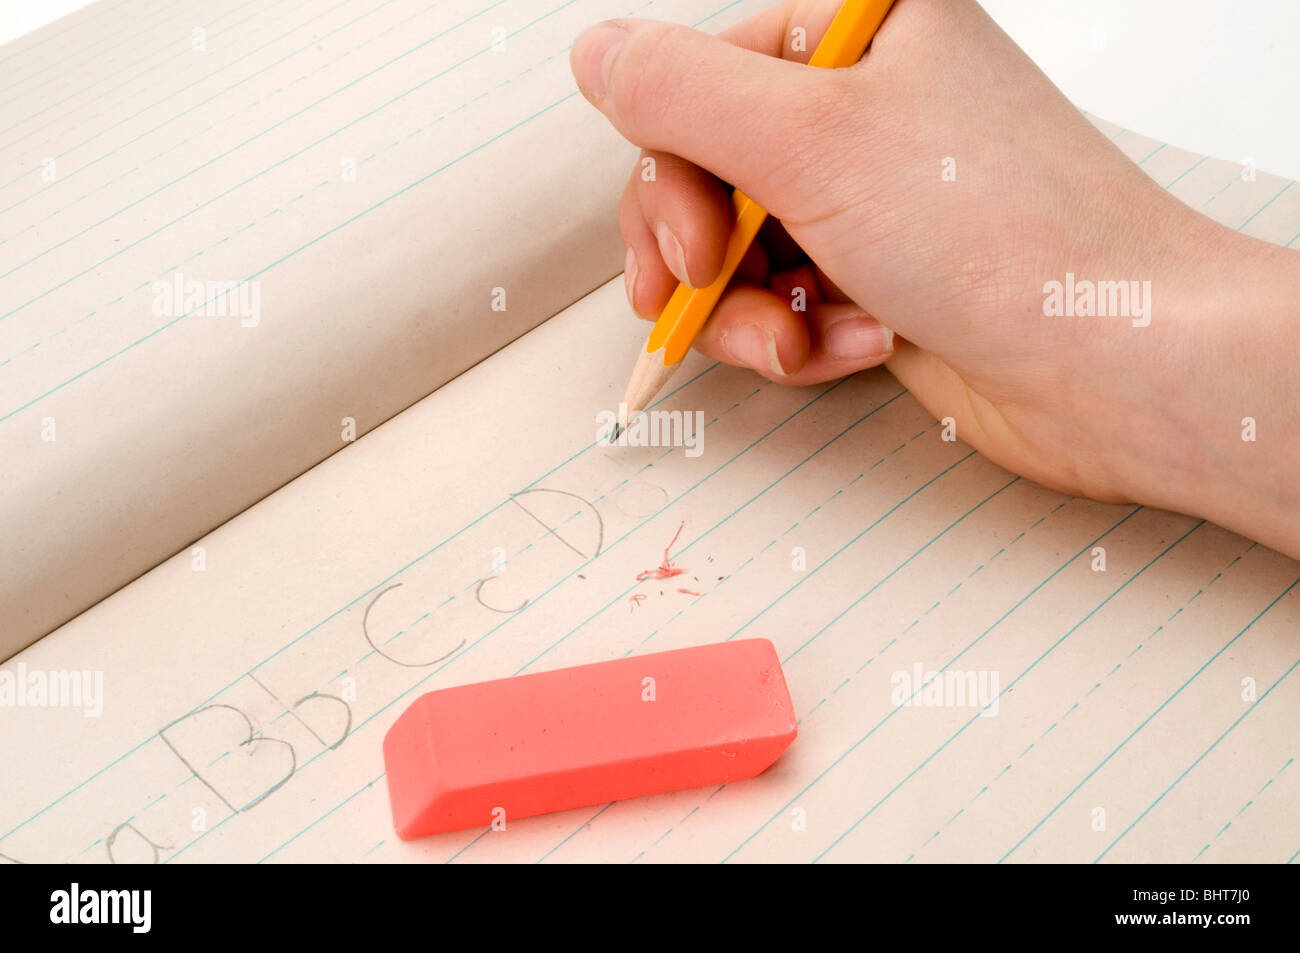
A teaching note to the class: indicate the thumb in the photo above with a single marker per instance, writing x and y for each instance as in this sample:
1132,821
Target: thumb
763,124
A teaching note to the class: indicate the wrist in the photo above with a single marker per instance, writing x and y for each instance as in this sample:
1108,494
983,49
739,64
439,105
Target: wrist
1221,438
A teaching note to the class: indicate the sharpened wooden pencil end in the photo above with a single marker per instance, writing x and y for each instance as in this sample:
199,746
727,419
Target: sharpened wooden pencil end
647,380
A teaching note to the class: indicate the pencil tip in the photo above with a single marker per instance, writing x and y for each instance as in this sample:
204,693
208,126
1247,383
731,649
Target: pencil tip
618,429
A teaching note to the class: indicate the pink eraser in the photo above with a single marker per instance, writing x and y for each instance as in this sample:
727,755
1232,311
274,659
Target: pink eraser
514,747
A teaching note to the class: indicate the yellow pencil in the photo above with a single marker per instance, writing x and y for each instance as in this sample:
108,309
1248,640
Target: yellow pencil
689,308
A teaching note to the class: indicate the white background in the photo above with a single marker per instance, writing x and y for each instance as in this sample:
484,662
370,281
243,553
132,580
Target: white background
1220,77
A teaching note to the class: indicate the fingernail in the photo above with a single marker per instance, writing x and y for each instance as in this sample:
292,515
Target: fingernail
674,254
629,277
593,56
856,339
754,347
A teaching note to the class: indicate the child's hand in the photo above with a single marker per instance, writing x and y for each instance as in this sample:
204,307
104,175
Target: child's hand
934,189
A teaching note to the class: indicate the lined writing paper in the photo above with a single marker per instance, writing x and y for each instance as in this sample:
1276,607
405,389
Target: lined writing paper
1144,711
368,195
970,684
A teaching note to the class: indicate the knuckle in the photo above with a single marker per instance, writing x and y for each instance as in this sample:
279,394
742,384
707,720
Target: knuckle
643,87
819,130
851,145
629,213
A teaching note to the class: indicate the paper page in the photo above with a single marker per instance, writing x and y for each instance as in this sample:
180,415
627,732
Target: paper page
1144,712
386,188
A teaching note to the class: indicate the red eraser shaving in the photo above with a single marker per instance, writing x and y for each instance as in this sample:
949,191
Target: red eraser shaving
471,755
